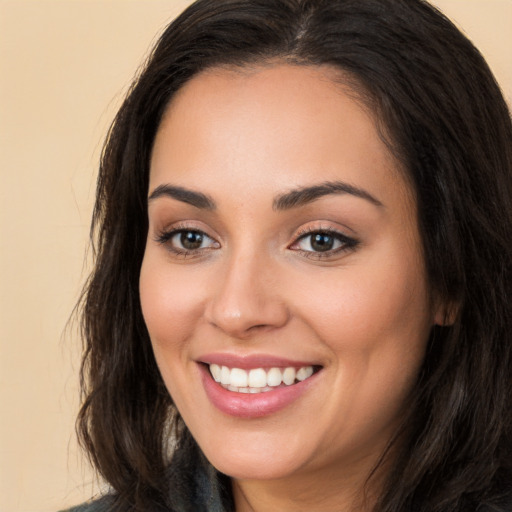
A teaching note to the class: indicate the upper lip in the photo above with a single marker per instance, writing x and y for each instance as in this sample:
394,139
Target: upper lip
250,361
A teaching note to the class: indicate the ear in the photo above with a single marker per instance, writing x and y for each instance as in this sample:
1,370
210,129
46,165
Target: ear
446,312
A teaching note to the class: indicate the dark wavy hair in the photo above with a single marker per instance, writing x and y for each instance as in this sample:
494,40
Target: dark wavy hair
443,115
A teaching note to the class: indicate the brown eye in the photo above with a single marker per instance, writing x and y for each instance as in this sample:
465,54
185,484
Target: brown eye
191,240
322,242
187,240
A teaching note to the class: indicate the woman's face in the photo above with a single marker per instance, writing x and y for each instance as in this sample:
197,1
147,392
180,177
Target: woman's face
283,244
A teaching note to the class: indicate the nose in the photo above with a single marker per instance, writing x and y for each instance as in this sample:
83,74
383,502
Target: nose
247,298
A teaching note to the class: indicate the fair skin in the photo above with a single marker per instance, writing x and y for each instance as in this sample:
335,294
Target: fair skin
248,276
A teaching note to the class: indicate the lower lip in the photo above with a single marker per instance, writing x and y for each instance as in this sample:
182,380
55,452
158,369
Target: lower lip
255,405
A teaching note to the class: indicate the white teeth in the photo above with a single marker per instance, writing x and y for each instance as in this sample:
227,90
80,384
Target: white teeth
289,376
238,378
274,377
216,371
258,380
225,376
304,373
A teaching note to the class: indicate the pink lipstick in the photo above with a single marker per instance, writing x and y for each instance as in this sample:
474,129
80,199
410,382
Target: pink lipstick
254,386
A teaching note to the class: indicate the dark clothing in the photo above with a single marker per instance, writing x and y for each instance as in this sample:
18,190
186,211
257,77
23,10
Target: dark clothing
102,505
200,488
213,503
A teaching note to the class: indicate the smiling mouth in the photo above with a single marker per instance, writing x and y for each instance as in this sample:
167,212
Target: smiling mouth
259,380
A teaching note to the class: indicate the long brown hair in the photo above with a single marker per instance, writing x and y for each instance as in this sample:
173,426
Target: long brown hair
444,116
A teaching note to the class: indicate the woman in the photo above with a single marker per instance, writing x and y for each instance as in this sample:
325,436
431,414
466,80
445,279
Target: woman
303,271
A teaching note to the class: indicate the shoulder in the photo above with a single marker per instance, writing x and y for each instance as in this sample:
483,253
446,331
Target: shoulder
99,505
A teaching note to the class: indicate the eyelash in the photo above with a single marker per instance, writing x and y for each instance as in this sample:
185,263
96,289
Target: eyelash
346,243
165,237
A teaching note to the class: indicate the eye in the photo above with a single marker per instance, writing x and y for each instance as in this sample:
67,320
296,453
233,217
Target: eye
184,241
323,243
190,240
319,242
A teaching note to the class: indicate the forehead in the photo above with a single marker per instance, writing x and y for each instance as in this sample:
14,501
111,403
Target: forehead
290,124
279,88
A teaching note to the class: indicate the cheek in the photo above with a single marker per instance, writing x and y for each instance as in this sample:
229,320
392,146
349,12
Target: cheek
378,308
172,305
171,302
376,325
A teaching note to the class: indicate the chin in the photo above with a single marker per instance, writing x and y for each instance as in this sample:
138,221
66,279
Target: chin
243,466
255,457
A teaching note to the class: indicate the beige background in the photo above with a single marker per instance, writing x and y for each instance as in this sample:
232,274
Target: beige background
64,66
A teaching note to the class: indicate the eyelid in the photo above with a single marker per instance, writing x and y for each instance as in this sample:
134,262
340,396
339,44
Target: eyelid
184,225
345,243
348,243
165,235
324,226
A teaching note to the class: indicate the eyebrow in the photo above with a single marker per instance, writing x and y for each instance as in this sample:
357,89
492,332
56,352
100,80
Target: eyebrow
289,200
304,195
197,199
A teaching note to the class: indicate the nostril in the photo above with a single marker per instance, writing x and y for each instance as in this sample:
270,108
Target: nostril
259,327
